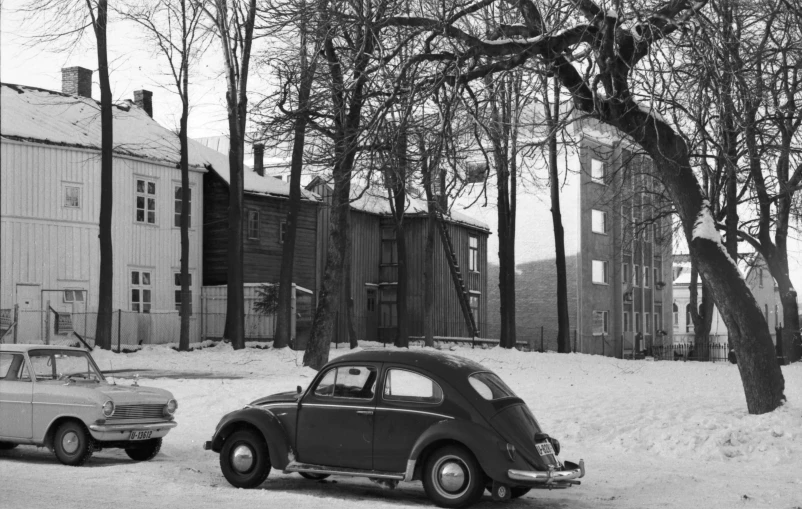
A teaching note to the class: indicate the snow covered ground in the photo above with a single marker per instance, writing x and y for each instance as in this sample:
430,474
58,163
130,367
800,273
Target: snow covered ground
652,434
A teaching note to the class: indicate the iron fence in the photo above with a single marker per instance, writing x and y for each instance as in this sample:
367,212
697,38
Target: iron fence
704,351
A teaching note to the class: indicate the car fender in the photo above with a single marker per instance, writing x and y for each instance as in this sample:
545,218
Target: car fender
484,443
266,423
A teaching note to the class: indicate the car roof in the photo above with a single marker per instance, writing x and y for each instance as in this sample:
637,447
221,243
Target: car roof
26,347
444,364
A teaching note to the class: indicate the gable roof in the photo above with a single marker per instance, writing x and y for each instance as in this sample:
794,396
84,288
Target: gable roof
54,118
370,202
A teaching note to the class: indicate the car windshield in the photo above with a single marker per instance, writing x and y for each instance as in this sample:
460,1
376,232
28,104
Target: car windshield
490,386
64,365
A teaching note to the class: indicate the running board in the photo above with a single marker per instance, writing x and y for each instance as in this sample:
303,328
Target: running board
294,466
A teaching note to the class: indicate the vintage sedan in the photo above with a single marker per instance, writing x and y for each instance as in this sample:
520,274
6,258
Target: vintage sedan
56,397
398,416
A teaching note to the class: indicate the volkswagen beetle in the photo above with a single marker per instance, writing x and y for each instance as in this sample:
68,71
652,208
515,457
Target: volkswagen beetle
398,416
57,397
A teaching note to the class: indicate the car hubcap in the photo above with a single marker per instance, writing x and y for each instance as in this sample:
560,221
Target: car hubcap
242,458
452,476
70,442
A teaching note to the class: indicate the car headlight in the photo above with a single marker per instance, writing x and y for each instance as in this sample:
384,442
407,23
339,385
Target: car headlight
108,408
170,408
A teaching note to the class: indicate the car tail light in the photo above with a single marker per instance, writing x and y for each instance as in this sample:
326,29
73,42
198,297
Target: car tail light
556,444
108,408
170,408
511,452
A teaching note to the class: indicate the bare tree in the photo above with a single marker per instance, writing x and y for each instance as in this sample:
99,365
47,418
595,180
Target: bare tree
64,23
612,47
234,26
172,25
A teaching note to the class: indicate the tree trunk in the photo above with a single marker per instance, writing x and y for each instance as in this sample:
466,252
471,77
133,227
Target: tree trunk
701,316
428,249
105,284
186,301
763,381
553,120
398,187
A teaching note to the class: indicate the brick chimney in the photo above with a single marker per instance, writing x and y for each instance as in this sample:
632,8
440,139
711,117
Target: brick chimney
76,81
259,158
144,99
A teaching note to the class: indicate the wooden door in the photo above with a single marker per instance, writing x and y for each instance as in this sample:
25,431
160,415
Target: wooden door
30,313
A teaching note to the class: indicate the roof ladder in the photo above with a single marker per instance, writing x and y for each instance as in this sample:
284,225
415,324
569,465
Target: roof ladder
456,274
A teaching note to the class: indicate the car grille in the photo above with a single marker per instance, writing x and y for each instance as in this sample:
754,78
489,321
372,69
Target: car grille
138,412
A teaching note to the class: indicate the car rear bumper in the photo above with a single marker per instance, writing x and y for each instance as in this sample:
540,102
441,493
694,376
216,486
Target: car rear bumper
115,432
566,477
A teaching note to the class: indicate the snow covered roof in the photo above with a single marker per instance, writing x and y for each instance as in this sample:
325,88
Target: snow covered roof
54,118
372,203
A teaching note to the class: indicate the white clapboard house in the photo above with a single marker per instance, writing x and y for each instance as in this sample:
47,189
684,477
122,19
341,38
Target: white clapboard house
49,214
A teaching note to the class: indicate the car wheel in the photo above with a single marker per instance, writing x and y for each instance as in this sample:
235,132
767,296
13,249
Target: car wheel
145,451
7,446
312,476
519,491
244,459
452,478
72,444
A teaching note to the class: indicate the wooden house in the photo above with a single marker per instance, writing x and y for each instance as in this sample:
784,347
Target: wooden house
49,211
374,275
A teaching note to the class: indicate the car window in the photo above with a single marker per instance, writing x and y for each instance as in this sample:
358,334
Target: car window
403,385
490,386
348,382
12,366
54,364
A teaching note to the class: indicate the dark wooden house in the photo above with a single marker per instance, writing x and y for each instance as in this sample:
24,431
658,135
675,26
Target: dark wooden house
264,216
374,275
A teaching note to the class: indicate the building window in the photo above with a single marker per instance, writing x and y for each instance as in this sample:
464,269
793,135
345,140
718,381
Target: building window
473,299
626,321
177,220
177,283
598,223
760,277
72,196
646,276
371,300
648,319
282,232
388,312
636,276
473,253
599,323
597,171
599,274
688,319
658,321
656,277
145,201
73,295
637,322
625,274
140,291
675,310
389,251
253,224
475,173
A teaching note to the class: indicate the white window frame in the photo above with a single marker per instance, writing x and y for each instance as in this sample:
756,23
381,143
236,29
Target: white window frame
147,198
627,322
473,253
604,316
249,215
177,210
595,166
65,187
138,284
605,272
177,290
646,277
594,213
74,292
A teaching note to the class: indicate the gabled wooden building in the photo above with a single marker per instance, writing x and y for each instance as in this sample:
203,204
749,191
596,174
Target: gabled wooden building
374,275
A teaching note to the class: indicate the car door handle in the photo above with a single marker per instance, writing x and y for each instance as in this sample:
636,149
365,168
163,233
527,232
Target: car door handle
364,412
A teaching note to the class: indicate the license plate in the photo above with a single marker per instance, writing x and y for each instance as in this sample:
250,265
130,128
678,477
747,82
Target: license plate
545,449
140,435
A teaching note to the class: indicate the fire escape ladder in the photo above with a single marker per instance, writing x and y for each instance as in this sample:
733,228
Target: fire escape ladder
456,274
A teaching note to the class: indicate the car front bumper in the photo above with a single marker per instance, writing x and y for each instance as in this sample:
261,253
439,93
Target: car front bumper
116,432
555,478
